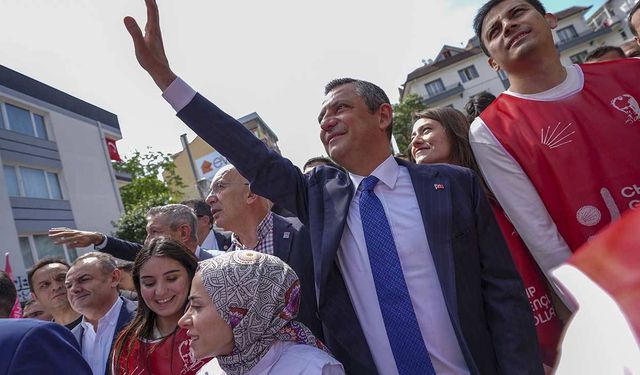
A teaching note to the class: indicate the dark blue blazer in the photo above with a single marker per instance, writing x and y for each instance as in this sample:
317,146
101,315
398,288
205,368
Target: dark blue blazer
29,347
127,312
291,243
126,250
483,292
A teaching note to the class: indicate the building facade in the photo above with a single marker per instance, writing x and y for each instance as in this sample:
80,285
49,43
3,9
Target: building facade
56,170
457,74
198,162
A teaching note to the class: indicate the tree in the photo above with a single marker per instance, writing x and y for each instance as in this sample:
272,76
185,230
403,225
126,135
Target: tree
145,190
403,119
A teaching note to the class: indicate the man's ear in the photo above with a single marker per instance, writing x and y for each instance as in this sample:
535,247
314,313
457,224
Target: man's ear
34,297
115,278
552,20
637,39
386,116
252,197
493,64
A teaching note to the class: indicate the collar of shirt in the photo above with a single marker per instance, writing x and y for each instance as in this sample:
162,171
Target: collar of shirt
387,172
197,253
264,228
109,319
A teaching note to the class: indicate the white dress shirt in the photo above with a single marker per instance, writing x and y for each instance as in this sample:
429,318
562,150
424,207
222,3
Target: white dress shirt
598,339
211,243
398,198
286,357
96,345
514,190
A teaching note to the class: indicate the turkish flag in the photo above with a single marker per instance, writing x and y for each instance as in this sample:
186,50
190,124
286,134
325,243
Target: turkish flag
16,310
113,150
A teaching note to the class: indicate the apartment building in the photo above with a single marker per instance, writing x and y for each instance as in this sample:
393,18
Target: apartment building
56,153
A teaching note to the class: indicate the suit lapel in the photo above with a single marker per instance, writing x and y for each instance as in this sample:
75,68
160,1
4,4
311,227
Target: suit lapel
337,196
282,238
433,192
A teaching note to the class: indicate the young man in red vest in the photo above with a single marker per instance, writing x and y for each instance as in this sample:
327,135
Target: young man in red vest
559,148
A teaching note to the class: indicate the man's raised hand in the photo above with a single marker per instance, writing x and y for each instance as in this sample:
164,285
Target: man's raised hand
149,48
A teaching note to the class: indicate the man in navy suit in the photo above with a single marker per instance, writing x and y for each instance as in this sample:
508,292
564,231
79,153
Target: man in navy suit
175,221
384,223
92,284
35,347
238,209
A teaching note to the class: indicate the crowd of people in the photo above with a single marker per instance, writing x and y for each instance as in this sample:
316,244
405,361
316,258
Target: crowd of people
507,226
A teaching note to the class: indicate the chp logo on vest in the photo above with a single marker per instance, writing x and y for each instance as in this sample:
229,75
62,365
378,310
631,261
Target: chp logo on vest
629,105
556,136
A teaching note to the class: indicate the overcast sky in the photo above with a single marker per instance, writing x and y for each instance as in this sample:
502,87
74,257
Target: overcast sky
269,57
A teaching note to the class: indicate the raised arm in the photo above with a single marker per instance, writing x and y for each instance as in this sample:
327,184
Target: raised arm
149,47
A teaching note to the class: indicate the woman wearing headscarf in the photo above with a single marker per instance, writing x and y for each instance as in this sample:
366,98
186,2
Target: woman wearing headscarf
242,309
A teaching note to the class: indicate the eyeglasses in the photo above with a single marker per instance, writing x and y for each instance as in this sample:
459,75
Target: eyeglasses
217,187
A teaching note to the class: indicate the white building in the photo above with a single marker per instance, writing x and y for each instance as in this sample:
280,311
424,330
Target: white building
56,170
457,74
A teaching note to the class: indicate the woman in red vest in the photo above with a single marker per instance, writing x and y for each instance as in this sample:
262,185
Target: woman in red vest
441,135
153,343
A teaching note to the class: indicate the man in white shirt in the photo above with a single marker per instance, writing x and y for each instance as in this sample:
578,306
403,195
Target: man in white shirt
92,283
432,289
558,149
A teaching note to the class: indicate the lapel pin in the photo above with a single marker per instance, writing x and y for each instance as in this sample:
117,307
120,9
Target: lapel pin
285,235
438,186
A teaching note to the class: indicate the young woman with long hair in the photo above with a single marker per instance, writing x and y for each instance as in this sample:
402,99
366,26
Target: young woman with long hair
441,135
153,343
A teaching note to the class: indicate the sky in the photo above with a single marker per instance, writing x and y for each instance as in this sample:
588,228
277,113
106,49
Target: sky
269,57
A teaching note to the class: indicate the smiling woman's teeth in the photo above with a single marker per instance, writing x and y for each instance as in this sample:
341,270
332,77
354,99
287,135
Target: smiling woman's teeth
161,301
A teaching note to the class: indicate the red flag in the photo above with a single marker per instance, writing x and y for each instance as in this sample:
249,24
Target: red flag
113,150
16,310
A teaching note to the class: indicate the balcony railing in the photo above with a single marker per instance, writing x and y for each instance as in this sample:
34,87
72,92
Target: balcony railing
448,91
581,38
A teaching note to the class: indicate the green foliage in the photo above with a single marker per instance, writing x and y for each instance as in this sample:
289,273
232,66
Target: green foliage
403,119
145,190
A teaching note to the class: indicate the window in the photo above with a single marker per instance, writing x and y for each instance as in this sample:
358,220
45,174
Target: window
434,87
468,73
23,121
503,75
11,180
579,58
567,33
38,246
31,183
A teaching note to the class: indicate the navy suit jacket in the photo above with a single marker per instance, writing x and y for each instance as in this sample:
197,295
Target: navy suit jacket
127,312
29,346
483,292
126,250
292,245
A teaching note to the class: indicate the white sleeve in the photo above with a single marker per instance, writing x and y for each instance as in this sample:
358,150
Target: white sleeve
178,94
519,199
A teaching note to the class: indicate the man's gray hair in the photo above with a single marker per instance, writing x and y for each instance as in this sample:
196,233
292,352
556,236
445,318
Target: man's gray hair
176,215
106,262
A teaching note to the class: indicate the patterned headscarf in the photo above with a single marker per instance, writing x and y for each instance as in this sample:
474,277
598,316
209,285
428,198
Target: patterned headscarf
258,295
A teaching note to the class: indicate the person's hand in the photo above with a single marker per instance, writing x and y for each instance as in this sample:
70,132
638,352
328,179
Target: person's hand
149,48
75,238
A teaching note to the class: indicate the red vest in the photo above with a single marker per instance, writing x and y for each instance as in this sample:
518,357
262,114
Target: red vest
582,152
548,325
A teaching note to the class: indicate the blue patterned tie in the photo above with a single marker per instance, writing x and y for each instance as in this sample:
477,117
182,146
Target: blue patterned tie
400,321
